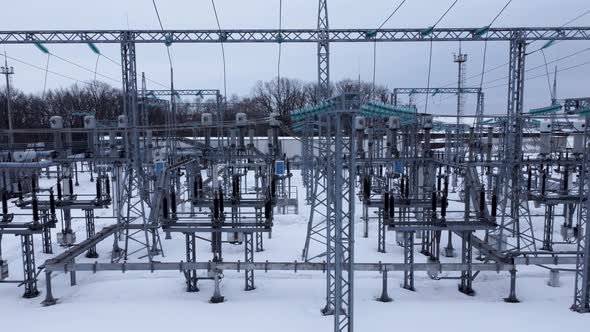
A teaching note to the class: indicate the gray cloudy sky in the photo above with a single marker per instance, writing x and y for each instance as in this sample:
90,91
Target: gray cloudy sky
398,64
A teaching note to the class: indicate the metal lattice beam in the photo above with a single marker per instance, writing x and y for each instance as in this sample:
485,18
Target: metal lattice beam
185,92
291,35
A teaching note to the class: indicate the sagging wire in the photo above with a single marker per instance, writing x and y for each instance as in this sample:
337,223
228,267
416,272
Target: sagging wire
162,27
95,71
43,69
542,75
375,46
485,47
118,64
429,72
542,65
547,72
558,41
96,67
507,63
222,54
430,52
526,71
279,57
45,80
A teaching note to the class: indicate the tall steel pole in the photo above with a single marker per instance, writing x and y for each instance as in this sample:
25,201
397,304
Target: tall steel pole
7,71
460,60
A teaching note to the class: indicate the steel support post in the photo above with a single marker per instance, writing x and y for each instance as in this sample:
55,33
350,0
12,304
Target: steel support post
217,297
49,299
29,270
135,195
384,294
409,259
318,214
548,228
341,186
316,226
515,215
90,232
466,285
582,283
46,236
382,231
512,295
259,235
329,223
191,256
249,258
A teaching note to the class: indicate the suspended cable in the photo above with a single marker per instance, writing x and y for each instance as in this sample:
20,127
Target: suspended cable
430,51
445,13
222,53
96,67
46,72
391,15
542,75
111,60
44,69
95,72
162,27
500,13
428,80
528,70
279,57
529,78
577,18
485,47
541,65
375,46
551,42
547,72
507,63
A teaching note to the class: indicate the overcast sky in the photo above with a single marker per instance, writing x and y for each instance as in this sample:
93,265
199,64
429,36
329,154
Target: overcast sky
398,64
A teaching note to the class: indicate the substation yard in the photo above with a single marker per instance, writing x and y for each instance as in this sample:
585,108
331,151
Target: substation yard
282,301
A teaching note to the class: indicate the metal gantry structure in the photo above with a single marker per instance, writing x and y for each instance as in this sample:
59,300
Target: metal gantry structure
400,159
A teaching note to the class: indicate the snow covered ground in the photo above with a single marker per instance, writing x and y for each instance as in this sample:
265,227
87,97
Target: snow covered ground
282,301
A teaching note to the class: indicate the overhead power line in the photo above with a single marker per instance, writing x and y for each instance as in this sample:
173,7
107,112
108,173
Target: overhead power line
44,69
375,45
222,53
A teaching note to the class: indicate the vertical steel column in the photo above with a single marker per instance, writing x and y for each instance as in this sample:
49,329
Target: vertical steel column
409,260
329,223
582,285
341,184
47,246
135,195
29,277
316,225
323,51
259,235
466,258
90,231
514,202
382,228
191,257
319,206
249,258
548,228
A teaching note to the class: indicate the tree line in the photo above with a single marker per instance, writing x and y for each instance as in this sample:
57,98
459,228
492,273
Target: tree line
105,102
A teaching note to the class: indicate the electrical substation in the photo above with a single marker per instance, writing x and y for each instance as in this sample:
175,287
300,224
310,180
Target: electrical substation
458,195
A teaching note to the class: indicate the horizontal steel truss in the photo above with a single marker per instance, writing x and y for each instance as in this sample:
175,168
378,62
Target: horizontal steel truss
292,35
188,92
303,266
412,91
